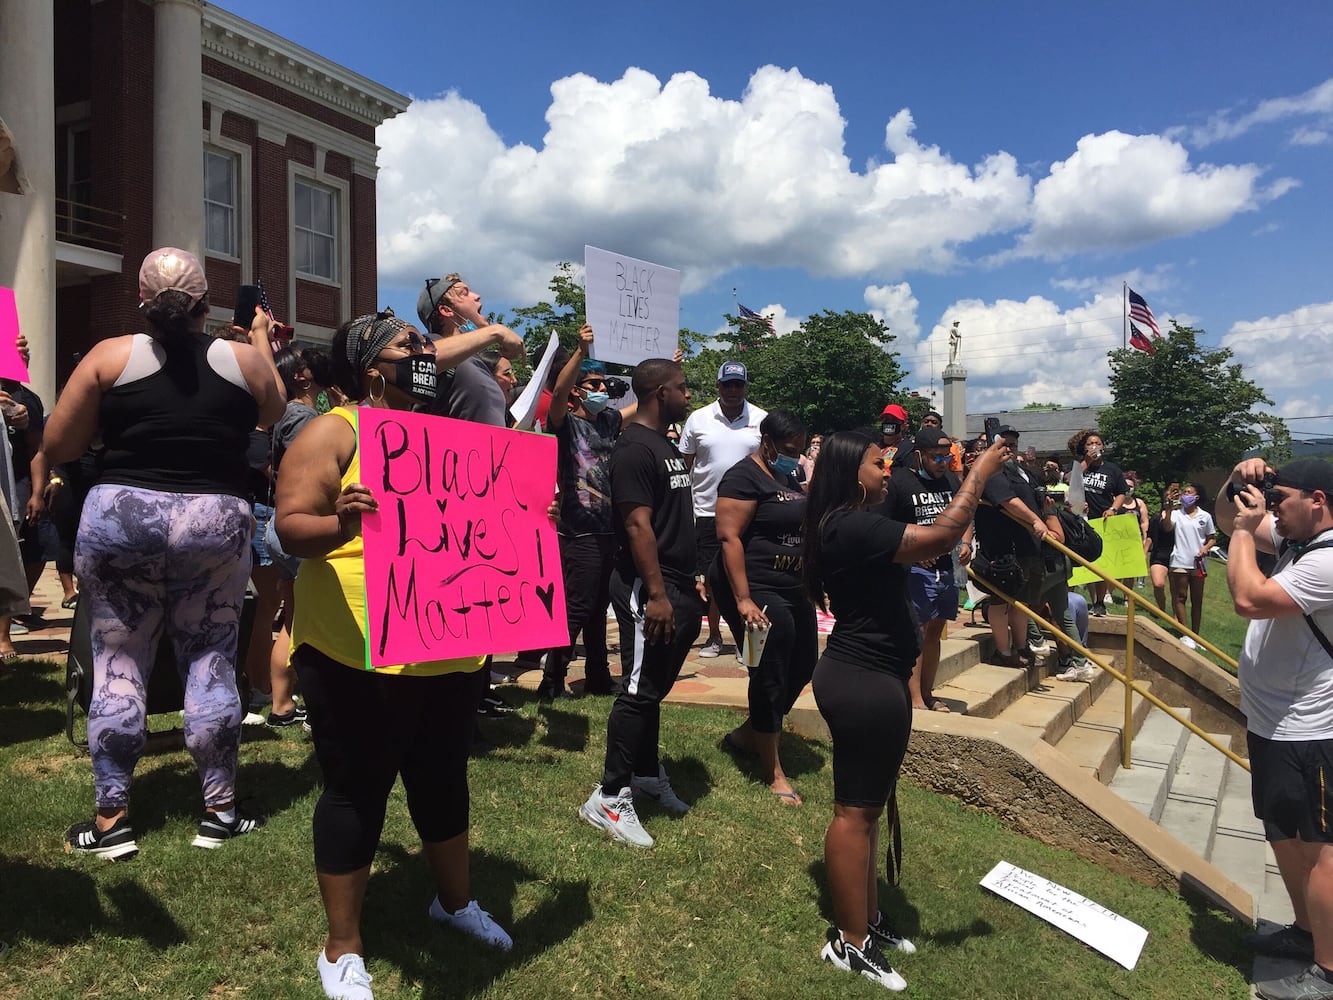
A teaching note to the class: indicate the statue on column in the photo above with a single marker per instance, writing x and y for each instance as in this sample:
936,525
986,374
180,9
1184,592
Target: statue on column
955,343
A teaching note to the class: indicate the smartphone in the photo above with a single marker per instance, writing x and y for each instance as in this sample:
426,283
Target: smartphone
247,297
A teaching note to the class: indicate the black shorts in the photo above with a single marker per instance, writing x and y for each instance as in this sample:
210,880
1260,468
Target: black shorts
1292,788
706,544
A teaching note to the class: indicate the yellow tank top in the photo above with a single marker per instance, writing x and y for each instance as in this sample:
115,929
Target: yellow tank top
331,600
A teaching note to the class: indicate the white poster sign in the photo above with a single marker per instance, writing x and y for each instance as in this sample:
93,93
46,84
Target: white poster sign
1114,936
524,410
633,306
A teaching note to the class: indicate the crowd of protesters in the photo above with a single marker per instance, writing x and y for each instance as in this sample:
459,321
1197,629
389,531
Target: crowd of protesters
218,460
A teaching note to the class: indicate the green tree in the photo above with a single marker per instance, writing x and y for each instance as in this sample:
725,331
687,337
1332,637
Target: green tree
565,315
1181,410
1277,448
834,371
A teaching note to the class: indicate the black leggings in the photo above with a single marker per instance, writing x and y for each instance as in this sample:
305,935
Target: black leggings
869,716
369,728
789,655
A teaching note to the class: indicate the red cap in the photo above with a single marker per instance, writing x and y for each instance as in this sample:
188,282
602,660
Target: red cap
895,412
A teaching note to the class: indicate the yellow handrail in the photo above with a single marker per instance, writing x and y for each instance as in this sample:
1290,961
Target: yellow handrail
1127,678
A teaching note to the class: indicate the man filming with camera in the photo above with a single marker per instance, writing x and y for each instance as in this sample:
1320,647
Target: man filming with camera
1286,688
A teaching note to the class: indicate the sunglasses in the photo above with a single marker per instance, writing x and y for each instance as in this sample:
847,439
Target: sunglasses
593,383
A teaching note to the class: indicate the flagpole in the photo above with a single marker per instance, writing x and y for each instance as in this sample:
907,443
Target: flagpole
1124,315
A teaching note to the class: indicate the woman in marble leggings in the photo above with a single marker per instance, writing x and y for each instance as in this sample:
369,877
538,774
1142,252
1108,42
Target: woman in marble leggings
149,562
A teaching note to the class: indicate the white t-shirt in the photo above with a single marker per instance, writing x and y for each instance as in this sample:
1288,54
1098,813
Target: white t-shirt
1286,678
717,444
1190,532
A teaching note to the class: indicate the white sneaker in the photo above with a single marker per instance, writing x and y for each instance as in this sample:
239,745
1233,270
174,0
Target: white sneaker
1083,672
660,791
253,719
711,650
1039,646
615,814
345,979
1188,643
867,960
472,919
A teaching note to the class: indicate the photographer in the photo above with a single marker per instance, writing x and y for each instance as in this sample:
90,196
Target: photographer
1286,687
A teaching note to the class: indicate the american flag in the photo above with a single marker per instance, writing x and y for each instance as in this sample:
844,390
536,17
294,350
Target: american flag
1138,309
751,315
1137,338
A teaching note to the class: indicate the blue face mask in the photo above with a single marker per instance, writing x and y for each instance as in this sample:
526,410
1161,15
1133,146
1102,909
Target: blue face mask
596,402
467,327
932,468
784,465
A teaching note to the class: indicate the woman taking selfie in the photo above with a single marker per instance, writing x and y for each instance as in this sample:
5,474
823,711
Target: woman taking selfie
859,558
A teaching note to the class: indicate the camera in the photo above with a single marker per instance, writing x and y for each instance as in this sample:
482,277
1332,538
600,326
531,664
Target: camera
616,387
1234,490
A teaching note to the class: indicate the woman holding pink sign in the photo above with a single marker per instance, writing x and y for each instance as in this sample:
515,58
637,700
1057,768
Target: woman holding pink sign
371,726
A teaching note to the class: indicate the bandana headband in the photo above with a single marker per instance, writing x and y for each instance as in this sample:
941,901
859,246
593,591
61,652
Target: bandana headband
368,335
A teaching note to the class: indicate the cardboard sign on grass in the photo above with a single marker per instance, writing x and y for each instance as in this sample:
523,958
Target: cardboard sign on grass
1115,937
633,307
1122,550
461,557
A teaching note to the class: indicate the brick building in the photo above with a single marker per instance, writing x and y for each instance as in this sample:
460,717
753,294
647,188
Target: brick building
144,123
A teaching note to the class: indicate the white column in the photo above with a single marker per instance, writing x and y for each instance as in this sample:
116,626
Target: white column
28,221
178,99
955,402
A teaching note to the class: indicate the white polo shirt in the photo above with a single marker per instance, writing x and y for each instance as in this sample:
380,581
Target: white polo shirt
717,444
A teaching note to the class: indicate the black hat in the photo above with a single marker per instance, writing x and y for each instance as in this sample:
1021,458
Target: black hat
1004,430
1307,474
931,437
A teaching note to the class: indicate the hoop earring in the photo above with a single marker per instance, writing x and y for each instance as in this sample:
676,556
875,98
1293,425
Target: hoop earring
383,385
864,494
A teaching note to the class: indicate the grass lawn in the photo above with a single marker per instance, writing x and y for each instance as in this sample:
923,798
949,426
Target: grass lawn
731,902
1221,625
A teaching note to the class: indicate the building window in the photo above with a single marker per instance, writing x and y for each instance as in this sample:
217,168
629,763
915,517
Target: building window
315,248
220,203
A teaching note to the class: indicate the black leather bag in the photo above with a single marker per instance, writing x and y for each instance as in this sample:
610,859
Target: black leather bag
1002,572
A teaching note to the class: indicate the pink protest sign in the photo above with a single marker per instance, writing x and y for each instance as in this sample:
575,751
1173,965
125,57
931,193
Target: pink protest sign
11,365
461,557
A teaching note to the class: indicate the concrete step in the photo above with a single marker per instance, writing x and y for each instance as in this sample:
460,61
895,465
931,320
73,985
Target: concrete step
1052,708
1093,743
1155,753
1239,848
986,689
1190,813
959,652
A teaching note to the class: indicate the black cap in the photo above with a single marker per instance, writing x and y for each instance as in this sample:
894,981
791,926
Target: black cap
1307,474
931,437
1004,430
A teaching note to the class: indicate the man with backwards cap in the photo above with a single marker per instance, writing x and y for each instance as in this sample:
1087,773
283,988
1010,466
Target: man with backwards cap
714,439
1286,692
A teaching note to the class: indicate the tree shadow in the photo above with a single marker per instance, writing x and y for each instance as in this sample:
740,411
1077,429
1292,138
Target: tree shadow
448,963
60,906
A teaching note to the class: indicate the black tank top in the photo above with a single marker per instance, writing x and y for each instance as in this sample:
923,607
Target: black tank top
182,429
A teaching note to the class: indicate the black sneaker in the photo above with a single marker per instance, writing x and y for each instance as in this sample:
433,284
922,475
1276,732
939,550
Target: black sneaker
599,685
493,706
1285,942
886,937
213,832
113,844
868,960
294,717
1099,610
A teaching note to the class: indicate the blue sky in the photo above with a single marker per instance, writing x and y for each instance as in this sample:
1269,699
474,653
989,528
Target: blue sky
1007,166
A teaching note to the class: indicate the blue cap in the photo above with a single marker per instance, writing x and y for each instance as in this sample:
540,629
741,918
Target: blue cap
732,371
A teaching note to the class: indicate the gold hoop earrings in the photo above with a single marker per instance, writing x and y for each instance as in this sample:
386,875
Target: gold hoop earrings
383,385
865,495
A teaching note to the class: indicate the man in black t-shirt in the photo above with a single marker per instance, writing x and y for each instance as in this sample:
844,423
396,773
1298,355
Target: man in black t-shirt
658,607
999,536
920,489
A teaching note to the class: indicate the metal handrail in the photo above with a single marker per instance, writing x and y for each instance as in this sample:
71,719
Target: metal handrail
89,225
1126,678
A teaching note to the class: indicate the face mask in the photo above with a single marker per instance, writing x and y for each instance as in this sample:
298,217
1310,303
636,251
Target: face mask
596,402
1094,453
890,429
784,465
467,327
415,375
1129,492
930,468
1188,501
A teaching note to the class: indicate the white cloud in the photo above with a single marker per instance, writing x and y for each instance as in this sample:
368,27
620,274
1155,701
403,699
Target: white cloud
1289,352
1144,282
896,306
1310,136
1118,191
1317,101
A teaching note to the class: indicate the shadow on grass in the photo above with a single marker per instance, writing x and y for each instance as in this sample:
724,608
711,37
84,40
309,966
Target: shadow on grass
61,907
446,962
798,755
564,730
1219,936
511,730
26,706
690,779
171,791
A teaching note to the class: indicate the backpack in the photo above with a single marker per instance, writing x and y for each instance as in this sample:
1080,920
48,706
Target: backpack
1079,536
